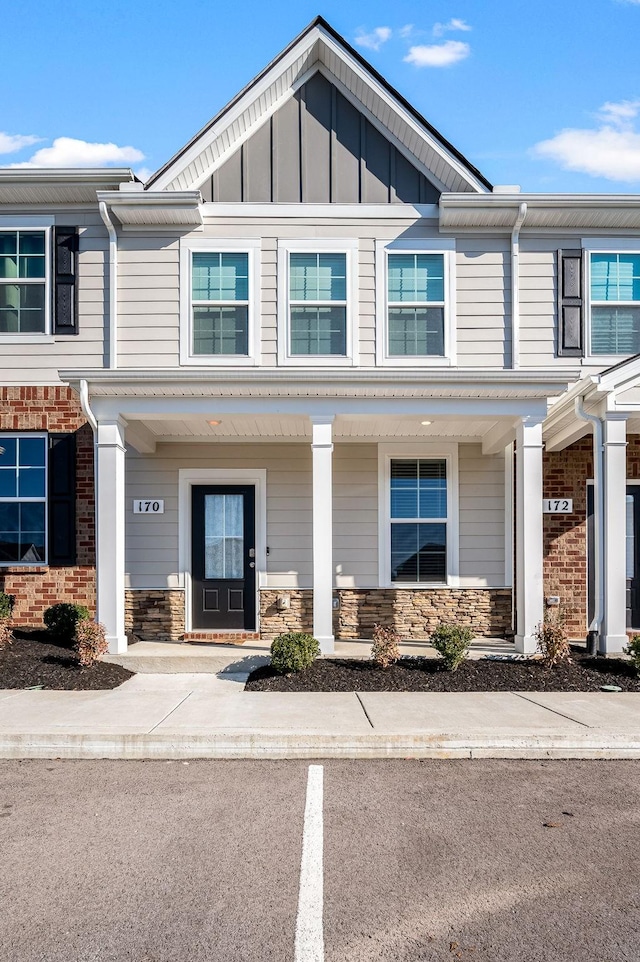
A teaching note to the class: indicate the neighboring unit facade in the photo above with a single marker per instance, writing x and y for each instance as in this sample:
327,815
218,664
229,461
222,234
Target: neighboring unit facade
331,375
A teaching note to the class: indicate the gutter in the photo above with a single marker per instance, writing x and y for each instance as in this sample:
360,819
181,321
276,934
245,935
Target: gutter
86,409
595,627
515,286
113,285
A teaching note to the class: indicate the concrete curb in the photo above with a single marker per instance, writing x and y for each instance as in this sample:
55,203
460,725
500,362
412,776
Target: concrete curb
266,745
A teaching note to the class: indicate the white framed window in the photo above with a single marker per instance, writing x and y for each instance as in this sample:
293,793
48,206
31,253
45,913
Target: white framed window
612,283
418,514
219,288
23,499
25,278
415,302
317,302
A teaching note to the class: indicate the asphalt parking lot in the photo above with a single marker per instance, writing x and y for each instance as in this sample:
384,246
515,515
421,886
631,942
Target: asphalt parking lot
413,860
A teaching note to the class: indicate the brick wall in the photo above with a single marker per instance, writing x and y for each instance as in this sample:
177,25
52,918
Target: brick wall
54,409
565,535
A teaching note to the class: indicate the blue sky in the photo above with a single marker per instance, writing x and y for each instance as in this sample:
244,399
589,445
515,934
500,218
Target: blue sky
544,94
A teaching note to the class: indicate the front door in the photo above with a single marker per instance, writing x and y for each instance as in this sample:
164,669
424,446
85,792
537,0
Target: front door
223,574
632,553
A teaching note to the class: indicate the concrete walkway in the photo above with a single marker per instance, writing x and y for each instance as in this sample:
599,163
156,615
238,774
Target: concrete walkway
209,715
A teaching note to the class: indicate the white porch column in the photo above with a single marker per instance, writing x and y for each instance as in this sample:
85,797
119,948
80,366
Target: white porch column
322,448
529,589
110,515
613,637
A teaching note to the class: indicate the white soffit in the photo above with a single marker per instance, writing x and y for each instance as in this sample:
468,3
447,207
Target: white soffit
315,48
557,212
155,208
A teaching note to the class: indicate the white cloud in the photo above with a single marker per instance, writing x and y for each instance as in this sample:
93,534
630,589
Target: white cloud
12,143
406,31
438,55
373,40
453,25
69,152
611,150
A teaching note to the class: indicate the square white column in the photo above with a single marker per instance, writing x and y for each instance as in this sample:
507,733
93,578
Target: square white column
613,636
110,518
322,449
529,587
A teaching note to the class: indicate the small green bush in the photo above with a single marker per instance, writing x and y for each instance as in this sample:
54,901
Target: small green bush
633,650
293,651
452,644
384,650
90,642
6,604
62,620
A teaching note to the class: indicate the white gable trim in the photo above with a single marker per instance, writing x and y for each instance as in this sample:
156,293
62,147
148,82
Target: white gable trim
278,84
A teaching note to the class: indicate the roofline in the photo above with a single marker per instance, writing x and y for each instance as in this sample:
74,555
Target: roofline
321,22
65,175
462,199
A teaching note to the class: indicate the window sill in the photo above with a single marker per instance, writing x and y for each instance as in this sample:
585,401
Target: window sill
417,361
316,360
218,360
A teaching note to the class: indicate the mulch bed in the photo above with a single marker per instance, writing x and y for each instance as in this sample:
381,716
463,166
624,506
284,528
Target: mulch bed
34,660
426,674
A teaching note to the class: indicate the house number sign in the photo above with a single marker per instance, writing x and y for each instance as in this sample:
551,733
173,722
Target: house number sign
147,506
557,505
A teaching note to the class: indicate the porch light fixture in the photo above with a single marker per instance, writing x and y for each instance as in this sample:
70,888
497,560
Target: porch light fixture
425,423
214,424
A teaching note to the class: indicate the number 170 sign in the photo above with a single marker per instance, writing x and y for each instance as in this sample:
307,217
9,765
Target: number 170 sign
557,505
148,506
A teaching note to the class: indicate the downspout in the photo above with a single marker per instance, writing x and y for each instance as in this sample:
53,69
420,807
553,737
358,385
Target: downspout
595,626
515,286
113,285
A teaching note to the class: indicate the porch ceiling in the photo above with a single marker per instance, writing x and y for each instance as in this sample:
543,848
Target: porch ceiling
293,428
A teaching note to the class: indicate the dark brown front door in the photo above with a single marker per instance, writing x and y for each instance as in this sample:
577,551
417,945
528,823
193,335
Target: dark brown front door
223,573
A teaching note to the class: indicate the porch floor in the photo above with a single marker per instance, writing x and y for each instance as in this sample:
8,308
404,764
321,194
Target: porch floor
169,657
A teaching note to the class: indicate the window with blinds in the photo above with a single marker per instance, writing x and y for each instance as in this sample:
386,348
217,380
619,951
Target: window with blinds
418,518
615,303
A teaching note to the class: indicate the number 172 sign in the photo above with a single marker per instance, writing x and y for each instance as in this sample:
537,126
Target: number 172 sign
557,505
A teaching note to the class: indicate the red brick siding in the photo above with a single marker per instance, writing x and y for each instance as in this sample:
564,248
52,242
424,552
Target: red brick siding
36,588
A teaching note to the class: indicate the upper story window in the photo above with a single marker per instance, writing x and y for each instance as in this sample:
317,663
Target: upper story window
415,297
615,302
415,305
24,283
219,288
317,295
23,487
318,304
220,295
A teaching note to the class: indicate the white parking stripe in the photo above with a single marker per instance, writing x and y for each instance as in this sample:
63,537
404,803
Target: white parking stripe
309,944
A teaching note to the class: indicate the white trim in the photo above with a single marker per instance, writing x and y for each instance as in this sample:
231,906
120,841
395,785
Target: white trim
26,221
508,514
412,212
44,500
187,477
421,245
610,245
347,246
250,246
425,450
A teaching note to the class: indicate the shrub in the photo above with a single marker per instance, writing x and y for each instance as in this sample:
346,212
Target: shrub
6,635
633,650
293,651
6,604
62,620
552,641
452,644
384,650
90,642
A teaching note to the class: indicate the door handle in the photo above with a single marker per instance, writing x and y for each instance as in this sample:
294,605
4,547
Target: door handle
252,564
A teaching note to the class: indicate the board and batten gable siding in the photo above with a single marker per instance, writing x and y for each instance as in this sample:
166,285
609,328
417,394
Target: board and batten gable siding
318,148
152,542
30,363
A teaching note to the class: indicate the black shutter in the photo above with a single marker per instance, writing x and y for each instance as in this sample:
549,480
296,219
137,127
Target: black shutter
65,262
62,499
570,304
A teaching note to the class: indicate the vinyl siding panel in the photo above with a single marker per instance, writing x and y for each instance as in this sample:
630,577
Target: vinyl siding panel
483,284
538,302
481,507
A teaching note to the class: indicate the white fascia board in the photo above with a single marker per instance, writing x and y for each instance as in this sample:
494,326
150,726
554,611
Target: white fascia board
412,212
67,175
397,108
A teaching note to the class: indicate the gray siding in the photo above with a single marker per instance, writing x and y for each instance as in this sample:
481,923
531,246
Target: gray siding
318,148
483,282
152,542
